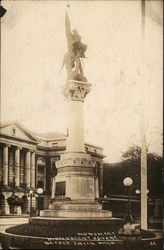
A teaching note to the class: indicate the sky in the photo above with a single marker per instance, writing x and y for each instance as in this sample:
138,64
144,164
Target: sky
124,69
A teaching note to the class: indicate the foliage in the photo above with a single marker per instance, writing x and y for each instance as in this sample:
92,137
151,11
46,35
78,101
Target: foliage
131,166
133,153
2,198
15,200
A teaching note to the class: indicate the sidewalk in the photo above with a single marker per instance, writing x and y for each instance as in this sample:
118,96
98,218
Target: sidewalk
15,216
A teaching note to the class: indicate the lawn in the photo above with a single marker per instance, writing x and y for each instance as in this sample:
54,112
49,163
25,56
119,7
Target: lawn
60,231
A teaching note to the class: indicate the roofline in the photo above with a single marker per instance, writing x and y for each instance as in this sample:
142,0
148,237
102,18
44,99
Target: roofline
52,139
95,146
18,139
20,125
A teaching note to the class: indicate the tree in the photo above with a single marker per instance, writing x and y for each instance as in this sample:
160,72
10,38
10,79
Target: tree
132,158
15,200
131,166
133,153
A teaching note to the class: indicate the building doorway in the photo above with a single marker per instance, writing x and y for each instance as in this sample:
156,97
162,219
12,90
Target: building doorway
25,204
41,173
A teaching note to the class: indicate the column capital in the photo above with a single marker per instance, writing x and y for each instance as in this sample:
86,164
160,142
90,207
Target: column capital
27,149
18,147
7,145
76,90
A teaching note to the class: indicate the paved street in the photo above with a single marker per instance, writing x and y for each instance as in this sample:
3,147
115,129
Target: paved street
6,222
11,221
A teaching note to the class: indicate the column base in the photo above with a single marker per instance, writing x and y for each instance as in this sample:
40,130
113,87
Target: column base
75,209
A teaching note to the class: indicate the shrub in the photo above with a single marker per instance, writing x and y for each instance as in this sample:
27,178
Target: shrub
15,200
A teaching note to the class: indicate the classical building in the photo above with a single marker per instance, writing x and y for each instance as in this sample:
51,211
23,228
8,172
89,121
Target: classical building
27,162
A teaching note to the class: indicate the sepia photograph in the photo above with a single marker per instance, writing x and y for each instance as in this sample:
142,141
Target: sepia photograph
81,124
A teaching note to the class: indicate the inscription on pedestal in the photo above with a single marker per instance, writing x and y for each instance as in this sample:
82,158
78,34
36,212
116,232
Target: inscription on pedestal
75,169
60,188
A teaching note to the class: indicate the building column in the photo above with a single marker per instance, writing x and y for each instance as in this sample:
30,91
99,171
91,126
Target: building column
27,168
53,188
28,205
17,167
7,208
96,187
101,179
33,170
5,165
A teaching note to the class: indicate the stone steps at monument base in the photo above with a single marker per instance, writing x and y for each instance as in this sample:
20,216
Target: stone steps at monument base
76,213
47,201
75,206
44,221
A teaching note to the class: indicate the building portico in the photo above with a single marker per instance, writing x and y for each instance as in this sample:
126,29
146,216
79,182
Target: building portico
28,161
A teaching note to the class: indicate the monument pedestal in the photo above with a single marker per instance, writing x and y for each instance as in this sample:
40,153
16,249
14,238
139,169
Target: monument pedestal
75,182
75,178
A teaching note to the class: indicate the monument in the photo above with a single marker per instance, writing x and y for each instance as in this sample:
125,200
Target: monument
74,187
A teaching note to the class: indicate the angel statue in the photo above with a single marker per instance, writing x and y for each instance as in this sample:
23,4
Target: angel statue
76,50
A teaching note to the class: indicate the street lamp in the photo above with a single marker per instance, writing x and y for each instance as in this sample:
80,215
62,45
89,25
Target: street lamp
138,191
128,216
39,192
31,193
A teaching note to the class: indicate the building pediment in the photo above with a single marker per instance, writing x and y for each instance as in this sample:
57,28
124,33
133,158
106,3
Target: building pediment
16,130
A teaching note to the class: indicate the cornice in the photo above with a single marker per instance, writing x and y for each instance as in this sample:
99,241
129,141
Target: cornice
12,138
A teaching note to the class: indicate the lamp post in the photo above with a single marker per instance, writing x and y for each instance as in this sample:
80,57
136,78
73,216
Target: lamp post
39,192
128,216
31,193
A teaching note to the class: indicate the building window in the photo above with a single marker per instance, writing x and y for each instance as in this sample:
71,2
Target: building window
53,169
41,184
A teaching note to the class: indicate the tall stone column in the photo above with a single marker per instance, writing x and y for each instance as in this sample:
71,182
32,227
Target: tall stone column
75,141
5,165
33,170
75,93
17,167
27,168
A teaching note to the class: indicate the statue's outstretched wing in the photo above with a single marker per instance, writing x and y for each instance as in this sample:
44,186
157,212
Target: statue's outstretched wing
68,29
